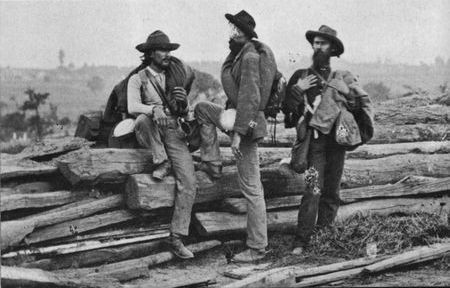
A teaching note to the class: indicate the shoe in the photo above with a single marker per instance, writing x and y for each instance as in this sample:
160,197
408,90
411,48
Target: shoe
249,255
213,170
177,247
162,170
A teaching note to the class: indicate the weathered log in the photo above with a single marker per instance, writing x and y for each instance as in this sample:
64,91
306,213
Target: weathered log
44,199
96,257
393,168
79,226
431,114
51,147
135,268
24,277
37,187
74,210
13,232
210,223
270,155
115,233
239,205
85,245
417,255
409,133
144,193
17,167
104,165
286,276
414,185
383,134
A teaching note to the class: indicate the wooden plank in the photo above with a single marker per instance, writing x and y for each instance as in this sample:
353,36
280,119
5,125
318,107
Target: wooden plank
74,210
24,277
417,255
37,187
79,226
211,223
135,268
286,276
144,193
85,246
239,205
414,185
43,199
104,165
97,257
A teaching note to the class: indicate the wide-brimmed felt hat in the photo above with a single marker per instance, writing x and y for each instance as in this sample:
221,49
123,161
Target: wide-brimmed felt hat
330,34
243,21
158,40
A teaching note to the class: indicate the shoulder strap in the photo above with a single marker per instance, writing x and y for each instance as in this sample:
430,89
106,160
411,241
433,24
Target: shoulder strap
146,75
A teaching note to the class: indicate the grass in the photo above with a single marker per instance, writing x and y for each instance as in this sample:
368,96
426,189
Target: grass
348,239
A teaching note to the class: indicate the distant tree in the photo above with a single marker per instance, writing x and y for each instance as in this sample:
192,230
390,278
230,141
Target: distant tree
3,105
61,56
96,84
378,92
439,62
35,100
71,66
206,84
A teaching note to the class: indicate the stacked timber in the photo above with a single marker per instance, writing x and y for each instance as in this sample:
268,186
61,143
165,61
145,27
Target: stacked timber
81,217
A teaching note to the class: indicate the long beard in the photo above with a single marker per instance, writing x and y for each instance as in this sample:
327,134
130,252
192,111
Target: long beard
235,46
320,59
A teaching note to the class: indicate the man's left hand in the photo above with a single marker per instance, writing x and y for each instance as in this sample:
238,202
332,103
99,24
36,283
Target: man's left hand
235,143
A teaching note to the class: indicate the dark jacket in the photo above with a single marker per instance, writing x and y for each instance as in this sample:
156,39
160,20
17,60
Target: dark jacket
247,81
342,92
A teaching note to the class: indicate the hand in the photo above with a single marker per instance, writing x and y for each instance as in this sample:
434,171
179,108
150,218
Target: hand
179,95
160,117
307,82
235,143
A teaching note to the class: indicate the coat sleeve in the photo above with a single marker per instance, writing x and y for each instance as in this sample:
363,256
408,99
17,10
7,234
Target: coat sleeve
249,96
362,107
294,94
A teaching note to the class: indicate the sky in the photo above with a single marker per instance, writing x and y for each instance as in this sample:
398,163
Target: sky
106,32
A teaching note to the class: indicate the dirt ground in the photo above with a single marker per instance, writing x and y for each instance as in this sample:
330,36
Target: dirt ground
212,265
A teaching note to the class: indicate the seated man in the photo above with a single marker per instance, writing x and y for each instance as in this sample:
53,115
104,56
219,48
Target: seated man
157,97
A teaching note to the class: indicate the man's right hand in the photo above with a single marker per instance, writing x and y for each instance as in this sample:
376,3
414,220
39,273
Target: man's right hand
160,117
307,82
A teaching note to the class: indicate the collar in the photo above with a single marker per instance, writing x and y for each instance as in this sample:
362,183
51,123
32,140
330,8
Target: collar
244,49
154,73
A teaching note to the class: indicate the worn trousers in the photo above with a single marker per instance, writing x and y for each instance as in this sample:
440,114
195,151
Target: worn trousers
169,143
327,157
249,178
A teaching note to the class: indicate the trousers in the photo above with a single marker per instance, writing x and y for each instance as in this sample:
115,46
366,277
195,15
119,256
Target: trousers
169,144
327,157
249,178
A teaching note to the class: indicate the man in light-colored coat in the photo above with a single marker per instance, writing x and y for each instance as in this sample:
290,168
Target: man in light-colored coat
247,76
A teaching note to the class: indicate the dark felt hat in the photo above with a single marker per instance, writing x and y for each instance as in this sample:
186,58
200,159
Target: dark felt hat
330,34
243,21
158,40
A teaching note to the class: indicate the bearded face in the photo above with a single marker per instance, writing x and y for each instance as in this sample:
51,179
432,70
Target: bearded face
321,58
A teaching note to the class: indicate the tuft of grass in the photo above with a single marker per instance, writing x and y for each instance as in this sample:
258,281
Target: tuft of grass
394,234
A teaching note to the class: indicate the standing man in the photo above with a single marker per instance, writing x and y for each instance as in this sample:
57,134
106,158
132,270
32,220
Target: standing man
157,96
247,77
317,96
